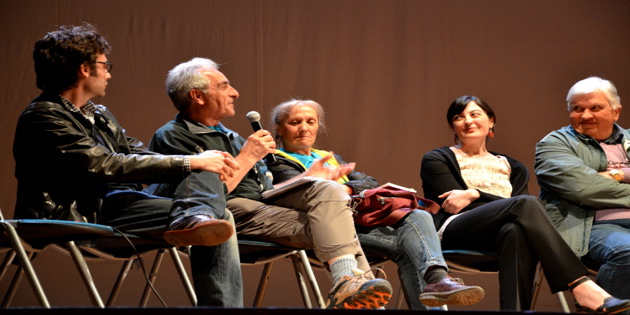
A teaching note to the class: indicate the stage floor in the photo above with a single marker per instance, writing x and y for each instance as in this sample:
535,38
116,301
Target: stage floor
205,310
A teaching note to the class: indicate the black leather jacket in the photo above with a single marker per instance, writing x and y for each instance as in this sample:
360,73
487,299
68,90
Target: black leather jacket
65,165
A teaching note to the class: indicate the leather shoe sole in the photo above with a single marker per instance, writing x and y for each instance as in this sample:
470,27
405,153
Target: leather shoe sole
206,233
467,295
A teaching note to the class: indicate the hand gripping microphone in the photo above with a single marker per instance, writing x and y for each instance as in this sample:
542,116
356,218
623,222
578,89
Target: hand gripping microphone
254,118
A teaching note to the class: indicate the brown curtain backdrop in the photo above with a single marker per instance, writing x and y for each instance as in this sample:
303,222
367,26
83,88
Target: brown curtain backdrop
384,70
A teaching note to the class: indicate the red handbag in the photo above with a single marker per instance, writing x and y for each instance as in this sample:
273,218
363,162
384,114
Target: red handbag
387,204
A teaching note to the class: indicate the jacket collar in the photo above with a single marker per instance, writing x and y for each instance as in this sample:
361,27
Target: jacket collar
198,128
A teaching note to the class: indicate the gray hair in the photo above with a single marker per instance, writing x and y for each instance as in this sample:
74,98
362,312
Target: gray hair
186,77
595,84
280,113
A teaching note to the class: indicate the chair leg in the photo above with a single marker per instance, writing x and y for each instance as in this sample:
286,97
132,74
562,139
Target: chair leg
15,282
183,275
26,264
300,279
262,284
82,266
379,270
401,297
8,259
538,279
311,278
122,275
154,271
563,302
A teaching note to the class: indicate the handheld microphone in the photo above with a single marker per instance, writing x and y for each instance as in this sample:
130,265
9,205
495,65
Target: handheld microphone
254,118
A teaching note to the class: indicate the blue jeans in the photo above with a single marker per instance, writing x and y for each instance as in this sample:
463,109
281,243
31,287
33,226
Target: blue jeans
216,270
412,244
217,273
609,245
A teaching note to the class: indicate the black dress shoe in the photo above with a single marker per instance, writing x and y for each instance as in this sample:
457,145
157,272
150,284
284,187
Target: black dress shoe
612,305
201,230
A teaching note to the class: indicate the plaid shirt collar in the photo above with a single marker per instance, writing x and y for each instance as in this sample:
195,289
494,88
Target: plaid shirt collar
616,137
88,110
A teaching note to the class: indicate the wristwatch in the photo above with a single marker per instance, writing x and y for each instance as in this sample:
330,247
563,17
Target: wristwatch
616,174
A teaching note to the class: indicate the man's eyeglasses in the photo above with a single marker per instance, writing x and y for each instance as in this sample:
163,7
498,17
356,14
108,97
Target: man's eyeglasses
108,65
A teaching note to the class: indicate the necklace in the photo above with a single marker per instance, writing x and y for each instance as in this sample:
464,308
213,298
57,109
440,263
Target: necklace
479,155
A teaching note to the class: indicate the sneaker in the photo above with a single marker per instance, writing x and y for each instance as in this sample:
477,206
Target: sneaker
359,292
201,230
450,291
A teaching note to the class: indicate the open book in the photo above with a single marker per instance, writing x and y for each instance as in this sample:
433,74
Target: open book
288,187
392,185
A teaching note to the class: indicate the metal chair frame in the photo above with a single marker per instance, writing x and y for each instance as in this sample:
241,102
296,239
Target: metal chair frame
259,252
129,258
475,262
78,239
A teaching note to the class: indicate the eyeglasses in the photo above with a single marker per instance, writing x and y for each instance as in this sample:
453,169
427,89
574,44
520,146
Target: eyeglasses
108,65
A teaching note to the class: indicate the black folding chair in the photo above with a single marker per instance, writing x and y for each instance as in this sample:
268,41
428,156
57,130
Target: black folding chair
258,252
24,238
11,243
476,262
130,248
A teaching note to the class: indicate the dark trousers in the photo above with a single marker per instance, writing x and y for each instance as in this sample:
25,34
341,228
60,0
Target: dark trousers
520,231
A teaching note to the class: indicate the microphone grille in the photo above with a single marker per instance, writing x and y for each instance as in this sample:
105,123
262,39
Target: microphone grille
253,116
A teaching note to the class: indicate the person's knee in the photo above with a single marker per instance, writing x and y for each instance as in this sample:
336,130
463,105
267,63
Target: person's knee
527,199
530,206
420,220
420,216
331,189
510,232
243,208
619,254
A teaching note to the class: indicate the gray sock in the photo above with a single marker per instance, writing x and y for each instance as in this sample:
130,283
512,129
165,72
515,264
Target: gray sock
342,267
434,275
